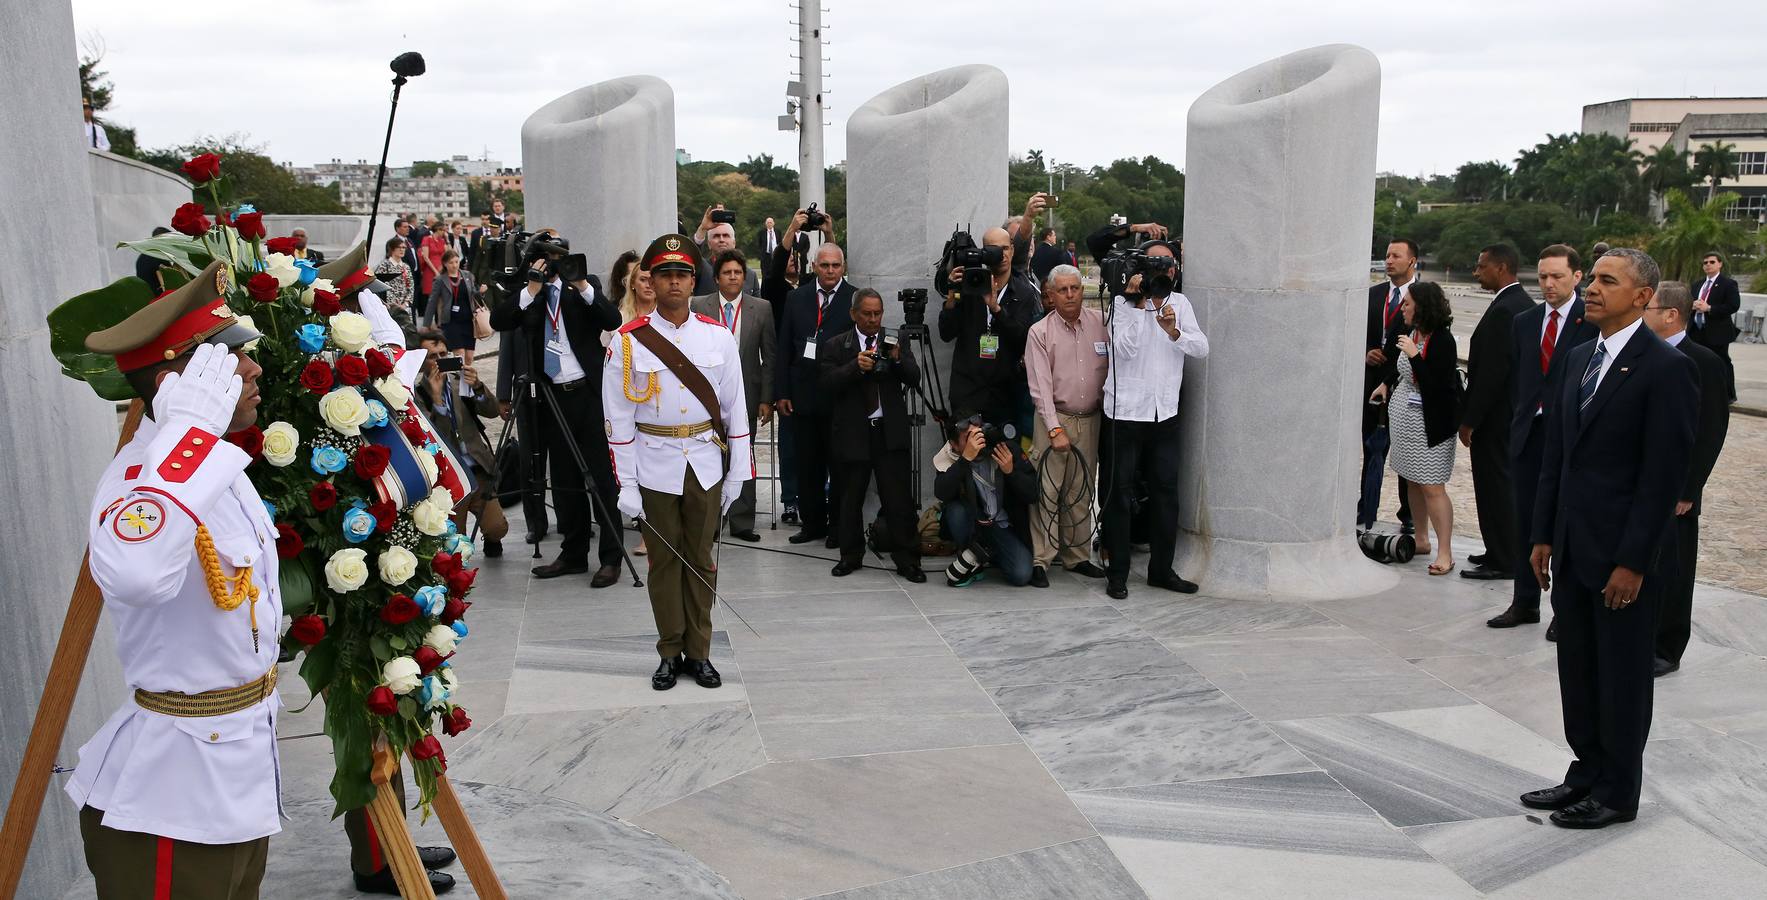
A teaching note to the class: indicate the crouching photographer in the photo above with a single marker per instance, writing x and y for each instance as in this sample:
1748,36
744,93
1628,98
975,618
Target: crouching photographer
450,391
987,487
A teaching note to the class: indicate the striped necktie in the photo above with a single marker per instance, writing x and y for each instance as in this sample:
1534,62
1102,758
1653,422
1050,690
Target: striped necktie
1591,376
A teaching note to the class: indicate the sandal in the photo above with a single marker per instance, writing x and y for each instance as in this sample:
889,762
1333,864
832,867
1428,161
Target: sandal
1439,569
641,551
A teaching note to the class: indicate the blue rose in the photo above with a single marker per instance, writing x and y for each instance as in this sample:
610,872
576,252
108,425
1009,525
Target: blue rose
429,690
432,598
327,460
245,208
307,270
459,629
270,508
455,542
358,525
310,338
377,414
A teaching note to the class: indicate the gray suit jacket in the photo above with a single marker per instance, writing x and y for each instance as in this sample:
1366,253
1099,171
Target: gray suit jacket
755,337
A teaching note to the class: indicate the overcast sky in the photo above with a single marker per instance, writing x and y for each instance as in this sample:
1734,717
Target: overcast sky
1091,81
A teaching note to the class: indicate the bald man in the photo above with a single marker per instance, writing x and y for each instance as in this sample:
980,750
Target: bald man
987,369
817,310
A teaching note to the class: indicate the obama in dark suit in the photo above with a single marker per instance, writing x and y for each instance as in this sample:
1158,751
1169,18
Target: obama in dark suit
1618,444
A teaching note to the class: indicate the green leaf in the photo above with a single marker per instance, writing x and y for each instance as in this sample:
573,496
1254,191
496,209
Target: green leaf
397,641
319,667
296,583
352,749
408,707
378,645
185,252
71,322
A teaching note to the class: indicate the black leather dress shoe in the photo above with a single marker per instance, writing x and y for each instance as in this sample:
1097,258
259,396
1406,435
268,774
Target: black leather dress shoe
831,542
1555,797
749,536
1589,813
382,882
436,857
664,676
1039,577
535,537
1513,616
493,549
703,673
806,536
1552,630
559,567
1088,568
1477,559
605,576
1664,667
1173,583
1117,590
912,572
1486,573
844,568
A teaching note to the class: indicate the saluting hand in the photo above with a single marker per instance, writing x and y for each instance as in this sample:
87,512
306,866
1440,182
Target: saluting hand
205,394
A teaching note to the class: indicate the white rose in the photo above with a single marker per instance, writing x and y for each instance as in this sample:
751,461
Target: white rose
441,639
446,673
247,322
427,516
427,463
281,443
351,331
401,675
319,284
346,570
344,410
391,388
397,565
440,497
466,551
283,267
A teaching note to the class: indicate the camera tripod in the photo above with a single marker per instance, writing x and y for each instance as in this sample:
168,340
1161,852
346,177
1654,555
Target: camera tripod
918,338
526,389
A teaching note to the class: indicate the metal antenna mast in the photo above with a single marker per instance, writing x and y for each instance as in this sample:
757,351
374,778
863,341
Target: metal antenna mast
804,110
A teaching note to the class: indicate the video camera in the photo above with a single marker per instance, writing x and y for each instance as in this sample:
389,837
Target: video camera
516,258
1119,266
977,263
913,302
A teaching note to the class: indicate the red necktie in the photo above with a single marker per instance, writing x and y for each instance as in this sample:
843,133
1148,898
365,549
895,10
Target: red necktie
1548,342
1392,307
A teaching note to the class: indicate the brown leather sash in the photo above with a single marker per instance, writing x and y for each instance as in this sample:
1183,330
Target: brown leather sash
691,377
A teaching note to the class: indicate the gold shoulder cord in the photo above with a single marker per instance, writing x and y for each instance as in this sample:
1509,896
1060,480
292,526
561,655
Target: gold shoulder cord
228,593
651,388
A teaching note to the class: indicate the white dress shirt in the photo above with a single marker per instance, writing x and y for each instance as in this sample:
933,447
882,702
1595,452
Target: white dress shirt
661,463
96,136
1614,346
1674,340
1147,366
569,369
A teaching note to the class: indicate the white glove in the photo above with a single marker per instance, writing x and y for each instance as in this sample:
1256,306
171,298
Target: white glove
205,394
631,503
732,490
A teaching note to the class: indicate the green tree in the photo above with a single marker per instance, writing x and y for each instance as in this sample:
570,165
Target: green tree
764,174
1476,182
1714,162
1692,231
479,196
1665,170
425,168
256,179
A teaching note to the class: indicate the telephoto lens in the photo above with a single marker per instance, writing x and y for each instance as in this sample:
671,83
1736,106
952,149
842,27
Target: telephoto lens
1386,548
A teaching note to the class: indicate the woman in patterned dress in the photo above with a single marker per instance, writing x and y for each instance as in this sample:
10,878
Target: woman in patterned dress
1424,384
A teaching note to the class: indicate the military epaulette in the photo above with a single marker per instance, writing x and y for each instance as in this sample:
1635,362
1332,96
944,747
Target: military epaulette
708,319
635,323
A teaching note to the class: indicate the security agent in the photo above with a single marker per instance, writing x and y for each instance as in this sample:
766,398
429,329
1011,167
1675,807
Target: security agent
987,361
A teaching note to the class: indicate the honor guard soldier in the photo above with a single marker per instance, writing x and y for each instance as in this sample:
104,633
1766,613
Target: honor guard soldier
677,424
178,792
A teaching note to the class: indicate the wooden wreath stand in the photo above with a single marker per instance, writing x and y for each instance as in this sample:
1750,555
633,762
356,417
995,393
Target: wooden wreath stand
63,682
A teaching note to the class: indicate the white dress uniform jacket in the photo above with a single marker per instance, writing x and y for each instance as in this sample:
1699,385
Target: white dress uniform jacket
1147,366
212,780
661,463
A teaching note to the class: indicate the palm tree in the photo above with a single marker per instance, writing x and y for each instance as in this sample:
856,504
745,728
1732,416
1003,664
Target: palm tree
1715,161
1692,231
1666,169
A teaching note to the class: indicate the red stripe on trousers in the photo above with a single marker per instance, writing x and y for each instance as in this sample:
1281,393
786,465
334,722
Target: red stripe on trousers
373,844
162,871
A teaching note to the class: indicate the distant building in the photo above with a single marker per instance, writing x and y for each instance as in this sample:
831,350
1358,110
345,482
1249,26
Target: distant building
439,195
1651,120
1748,132
503,181
681,157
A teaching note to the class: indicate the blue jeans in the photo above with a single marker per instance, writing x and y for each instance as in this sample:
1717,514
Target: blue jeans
1005,551
1374,463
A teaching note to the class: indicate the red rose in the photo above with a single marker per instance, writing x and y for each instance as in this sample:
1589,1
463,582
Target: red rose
326,303
460,582
428,748
445,563
385,514
381,701
307,630
379,364
262,287
288,541
323,496
250,439
371,460
455,722
399,610
351,370
189,219
250,225
283,245
413,431
427,659
316,377
454,610
202,169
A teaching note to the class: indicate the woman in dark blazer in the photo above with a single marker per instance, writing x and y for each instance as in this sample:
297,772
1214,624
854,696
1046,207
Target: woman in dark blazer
452,300
1424,416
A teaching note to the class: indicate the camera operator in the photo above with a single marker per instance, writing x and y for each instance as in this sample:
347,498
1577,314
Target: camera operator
864,375
1153,329
456,400
563,325
987,487
716,236
818,310
987,366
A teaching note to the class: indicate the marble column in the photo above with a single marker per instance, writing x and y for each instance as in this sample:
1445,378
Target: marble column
55,435
1278,207
599,166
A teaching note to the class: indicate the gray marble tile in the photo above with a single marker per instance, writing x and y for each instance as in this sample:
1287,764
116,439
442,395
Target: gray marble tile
562,619
1131,731
807,605
993,594
1407,777
806,828
1717,783
871,706
1419,601
1180,616
609,673
1055,645
488,652
1409,645
1740,624
1077,870
838,641
618,761
1719,692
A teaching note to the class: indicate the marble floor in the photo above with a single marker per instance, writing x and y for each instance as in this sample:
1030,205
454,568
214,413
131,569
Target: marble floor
880,740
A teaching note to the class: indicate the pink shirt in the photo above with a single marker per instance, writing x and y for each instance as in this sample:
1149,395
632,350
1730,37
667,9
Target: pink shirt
1066,363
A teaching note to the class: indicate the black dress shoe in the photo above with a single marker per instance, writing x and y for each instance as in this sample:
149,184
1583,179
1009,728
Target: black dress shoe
605,576
436,857
493,549
1664,667
806,536
703,674
1556,797
1486,573
749,536
1552,630
1088,568
1039,577
559,567
912,572
1173,583
844,568
382,882
789,516
1117,590
1513,616
664,676
1477,559
535,537
1589,813
831,542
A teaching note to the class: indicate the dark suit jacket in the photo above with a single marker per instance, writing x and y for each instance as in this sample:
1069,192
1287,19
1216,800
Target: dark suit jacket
583,322
755,338
1437,370
465,432
988,385
1490,363
761,249
1530,389
844,384
1380,337
1046,257
1714,418
1612,471
798,379
1018,491
1726,300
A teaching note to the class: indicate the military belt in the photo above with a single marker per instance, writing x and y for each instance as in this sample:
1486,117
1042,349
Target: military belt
676,431
208,703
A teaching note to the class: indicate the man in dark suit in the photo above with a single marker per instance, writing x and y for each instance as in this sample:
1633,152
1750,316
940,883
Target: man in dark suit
563,324
1541,338
1715,301
1046,256
767,241
864,378
1384,325
751,319
987,361
1618,444
1486,414
1668,316
814,312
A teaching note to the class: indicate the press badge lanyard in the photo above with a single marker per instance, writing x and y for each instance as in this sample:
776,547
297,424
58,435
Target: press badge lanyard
822,301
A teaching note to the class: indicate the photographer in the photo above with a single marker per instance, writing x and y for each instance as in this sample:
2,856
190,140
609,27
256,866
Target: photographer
563,323
1153,330
450,392
987,487
987,367
716,236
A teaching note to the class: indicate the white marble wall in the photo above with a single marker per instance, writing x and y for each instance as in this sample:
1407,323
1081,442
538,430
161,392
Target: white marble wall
1277,212
55,436
336,235
130,198
599,164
